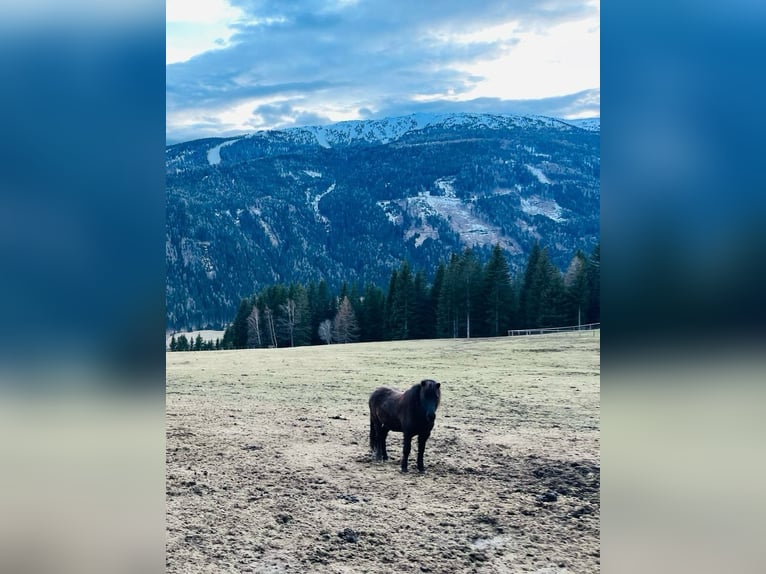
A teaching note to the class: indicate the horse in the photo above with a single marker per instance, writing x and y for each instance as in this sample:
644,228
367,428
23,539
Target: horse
411,412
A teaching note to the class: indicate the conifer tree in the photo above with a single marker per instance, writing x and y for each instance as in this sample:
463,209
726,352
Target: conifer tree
576,285
542,294
355,298
239,327
470,290
594,285
448,307
321,309
553,297
434,295
529,297
498,294
388,325
422,315
372,318
343,291
403,306
183,343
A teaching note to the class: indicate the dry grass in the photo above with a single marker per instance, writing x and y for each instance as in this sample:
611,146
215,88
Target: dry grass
268,467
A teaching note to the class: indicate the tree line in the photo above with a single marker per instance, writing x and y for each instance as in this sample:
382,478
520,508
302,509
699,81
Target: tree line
184,343
465,299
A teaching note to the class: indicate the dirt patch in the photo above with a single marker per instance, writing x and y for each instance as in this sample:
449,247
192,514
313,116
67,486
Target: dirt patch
271,472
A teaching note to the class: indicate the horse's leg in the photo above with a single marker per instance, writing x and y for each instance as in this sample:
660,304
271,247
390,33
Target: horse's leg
422,438
382,439
406,451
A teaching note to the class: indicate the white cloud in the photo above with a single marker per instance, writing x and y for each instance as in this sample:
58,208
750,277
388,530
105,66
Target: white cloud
200,11
560,60
193,28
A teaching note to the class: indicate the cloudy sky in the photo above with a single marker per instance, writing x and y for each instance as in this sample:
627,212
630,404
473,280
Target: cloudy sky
236,66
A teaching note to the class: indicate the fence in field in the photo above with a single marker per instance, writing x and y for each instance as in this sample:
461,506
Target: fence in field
540,331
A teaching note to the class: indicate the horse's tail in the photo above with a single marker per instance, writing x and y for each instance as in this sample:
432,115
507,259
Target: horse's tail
373,433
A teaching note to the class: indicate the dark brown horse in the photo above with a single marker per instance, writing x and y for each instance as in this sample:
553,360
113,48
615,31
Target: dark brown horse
412,412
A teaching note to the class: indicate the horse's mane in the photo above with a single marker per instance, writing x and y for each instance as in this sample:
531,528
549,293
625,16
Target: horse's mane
412,395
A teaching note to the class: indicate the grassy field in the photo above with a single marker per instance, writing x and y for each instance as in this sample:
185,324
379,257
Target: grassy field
269,469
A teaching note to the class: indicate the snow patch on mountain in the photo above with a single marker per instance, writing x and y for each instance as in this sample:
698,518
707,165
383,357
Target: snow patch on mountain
392,210
536,205
538,174
267,230
471,228
446,185
315,206
214,153
590,124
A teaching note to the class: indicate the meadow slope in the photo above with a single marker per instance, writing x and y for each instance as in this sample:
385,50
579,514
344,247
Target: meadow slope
269,470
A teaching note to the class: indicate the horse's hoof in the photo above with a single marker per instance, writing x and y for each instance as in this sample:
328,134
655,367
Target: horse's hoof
421,470
404,470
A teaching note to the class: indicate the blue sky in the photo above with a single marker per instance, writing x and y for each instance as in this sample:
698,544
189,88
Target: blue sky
236,66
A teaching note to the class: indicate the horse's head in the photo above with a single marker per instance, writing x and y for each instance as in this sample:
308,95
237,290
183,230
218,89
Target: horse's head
430,395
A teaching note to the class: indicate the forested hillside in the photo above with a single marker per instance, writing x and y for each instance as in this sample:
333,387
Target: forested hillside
348,203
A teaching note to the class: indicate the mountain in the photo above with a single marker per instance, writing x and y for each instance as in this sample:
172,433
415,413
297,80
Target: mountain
592,124
350,201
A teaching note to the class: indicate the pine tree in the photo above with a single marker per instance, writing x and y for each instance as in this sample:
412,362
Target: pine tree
198,342
173,343
498,294
553,297
470,290
239,327
355,298
434,295
372,318
594,286
183,343
422,316
529,298
303,321
542,294
391,295
343,291
320,309
577,289
403,304
448,307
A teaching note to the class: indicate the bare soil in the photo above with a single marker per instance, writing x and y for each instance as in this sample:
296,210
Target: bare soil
269,469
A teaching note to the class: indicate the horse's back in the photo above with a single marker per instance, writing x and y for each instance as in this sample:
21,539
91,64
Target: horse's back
380,394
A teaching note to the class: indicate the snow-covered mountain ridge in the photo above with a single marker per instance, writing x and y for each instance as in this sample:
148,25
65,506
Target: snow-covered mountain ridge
362,132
